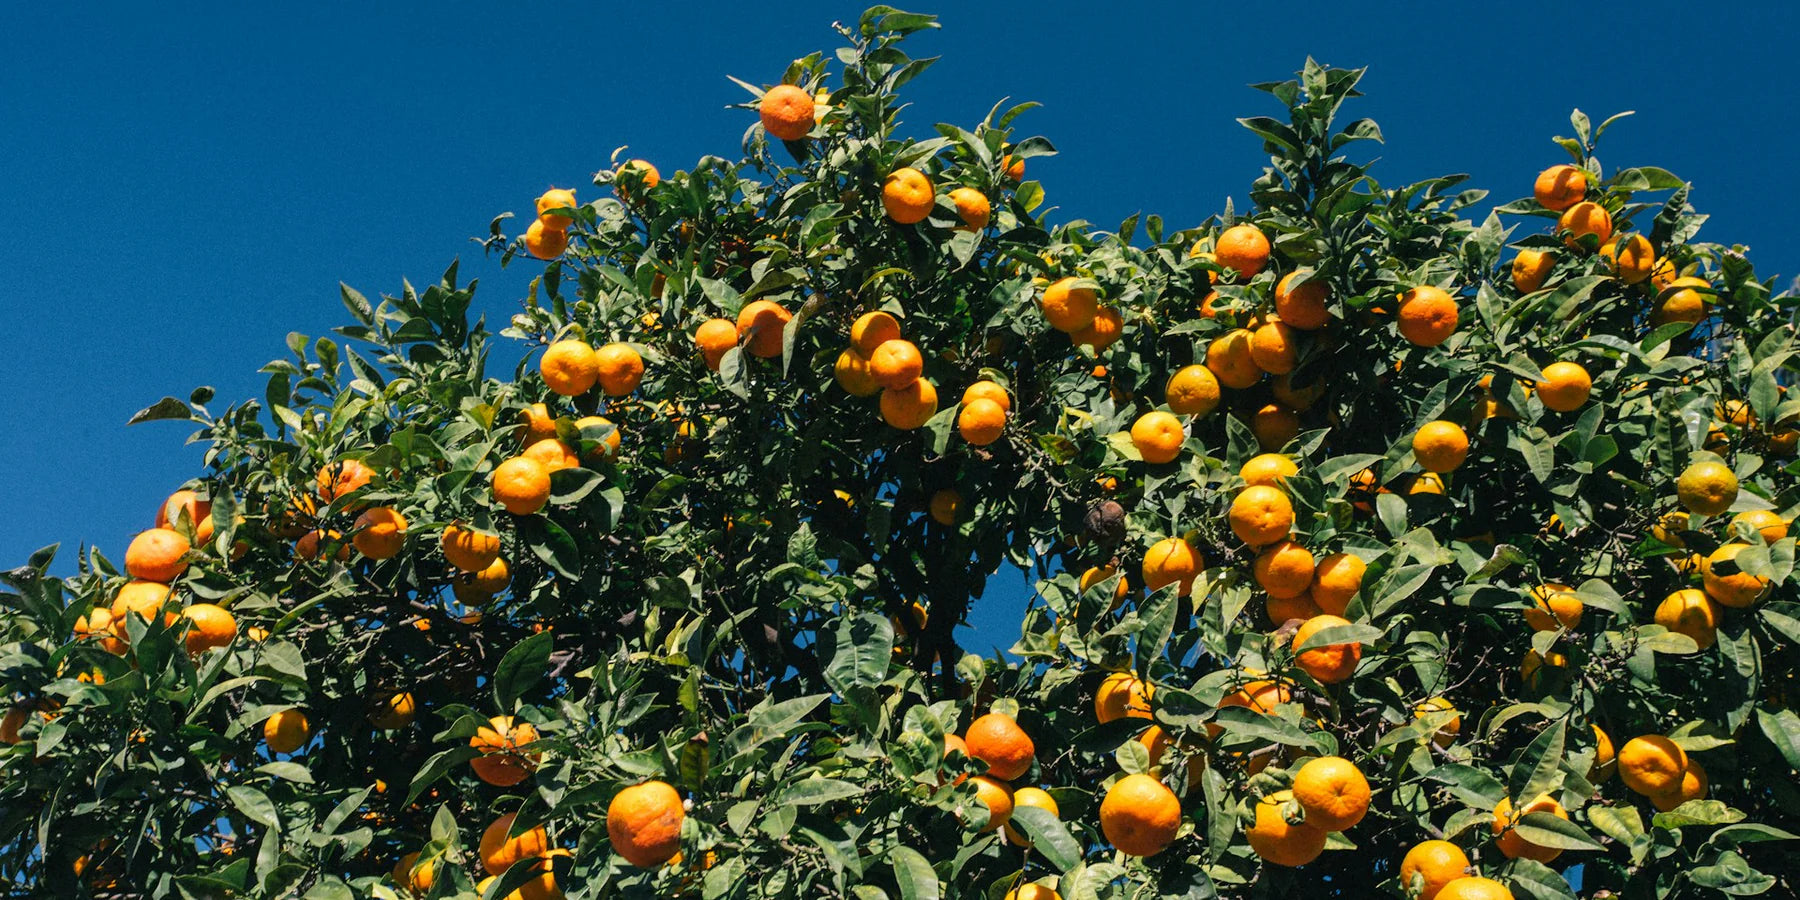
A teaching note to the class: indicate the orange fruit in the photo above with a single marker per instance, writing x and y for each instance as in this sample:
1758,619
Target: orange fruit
1530,269
1331,663
1332,792
417,878
981,421
1565,386
853,375
1560,187
1267,469
1474,888
1274,425
1553,607
1033,797
380,532
554,199
500,848
997,797
1531,667
552,454
715,338
1158,435
1693,786
544,242
1335,580
987,390
946,506
1121,696
1272,347
1738,590
522,485
871,330
1101,333
896,363
395,711
1283,609
1284,569
1261,515
184,501
1302,306
1243,249
1585,220
342,477
621,369
1279,841
787,114
1707,488
972,207
145,598
955,743
500,763
209,627
1014,168
1430,865
1096,574
1297,397
1171,561
1139,815
762,324
539,424
1651,764
644,823
1771,526
1692,613
98,625
604,448
1681,302
1230,360
1606,762
1069,308
159,554
999,741
469,550
1192,391
569,367
1446,733
286,731
1514,846
1428,316
639,170
907,195
1635,262
1440,446
911,406
479,587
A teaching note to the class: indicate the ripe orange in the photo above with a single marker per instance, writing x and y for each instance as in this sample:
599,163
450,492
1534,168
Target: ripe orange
907,195
954,743
1560,187
972,207
1583,222
896,363
1302,306
1553,607
209,627
1171,561
199,512
621,369
871,330
1299,397
1069,308
380,532
500,848
1283,609
1606,762
1651,764
1333,793
569,367
946,506
987,390
1514,846
476,588
1284,569
339,478
762,324
1121,696
552,454
1771,526
1335,580
644,823
286,731
554,199
539,424
1139,815
1565,386
1272,347
394,711
1531,667
1428,316
1192,391
1430,865
715,337
639,170
1683,300
1274,425
1739,590
1261,515
911,406
1158,436
1033,797
98,625
522,485
1243,249
1331,663
1474,888
1694,785
1229,359
1440,446
1279,841
544,242
787,114
981,421
1707,488
1635,262
469,550
1530,269
999,741
159,554
1267,469
500,763
1014,168
1692,613
606,447
1446,733
853,375
415,877
144,598
1101,333
1096,574
998,798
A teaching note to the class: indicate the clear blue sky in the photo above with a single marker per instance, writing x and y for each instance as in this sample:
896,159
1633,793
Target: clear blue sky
185,187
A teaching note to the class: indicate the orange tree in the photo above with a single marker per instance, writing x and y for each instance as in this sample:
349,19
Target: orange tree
1375,551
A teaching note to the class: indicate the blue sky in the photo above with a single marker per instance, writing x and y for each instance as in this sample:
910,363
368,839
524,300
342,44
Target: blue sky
185,186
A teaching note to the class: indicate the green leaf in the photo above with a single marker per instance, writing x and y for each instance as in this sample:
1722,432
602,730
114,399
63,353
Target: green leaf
1341,634
1697,812
1048,835
254,804
521,668
166,408
813,791
857,651
1546,830
1535,771
913,874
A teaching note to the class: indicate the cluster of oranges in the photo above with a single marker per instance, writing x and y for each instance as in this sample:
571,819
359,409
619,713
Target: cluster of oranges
879,360
908,196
